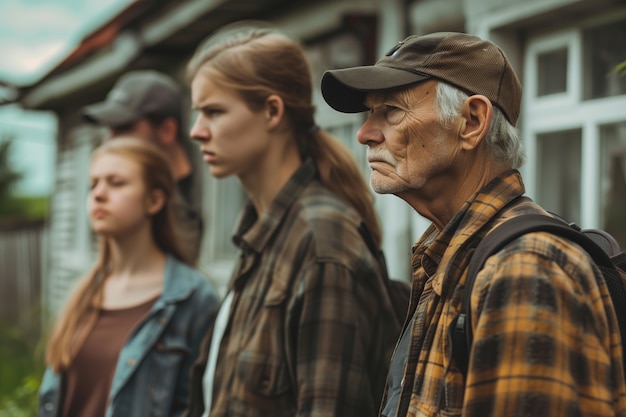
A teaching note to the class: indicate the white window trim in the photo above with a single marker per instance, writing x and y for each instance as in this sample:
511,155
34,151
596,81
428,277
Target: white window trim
566,39
567,111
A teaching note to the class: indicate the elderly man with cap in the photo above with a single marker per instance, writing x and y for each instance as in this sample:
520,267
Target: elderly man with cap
148,105
440,135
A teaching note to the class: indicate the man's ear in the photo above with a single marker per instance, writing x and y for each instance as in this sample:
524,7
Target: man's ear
168,131
477,112
274,110
155,201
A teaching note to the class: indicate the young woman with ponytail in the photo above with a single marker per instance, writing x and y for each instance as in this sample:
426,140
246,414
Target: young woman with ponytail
307,326
124,343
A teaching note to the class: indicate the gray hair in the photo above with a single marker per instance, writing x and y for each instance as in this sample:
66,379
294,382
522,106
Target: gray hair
503,140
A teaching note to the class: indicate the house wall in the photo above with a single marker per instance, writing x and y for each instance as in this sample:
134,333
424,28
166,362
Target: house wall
332,39
71,248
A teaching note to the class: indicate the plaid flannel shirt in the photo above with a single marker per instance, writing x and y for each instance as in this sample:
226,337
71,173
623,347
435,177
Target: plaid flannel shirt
546,339
311,329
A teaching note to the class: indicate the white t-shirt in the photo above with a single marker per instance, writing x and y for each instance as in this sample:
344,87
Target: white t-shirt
218,332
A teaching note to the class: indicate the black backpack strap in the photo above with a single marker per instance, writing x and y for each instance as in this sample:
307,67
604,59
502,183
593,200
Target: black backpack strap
461,331
399,291
374,250
610,245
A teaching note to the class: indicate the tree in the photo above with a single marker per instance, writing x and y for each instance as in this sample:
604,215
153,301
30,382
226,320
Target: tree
8,177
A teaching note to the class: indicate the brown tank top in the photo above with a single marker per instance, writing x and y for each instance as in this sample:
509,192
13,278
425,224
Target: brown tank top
87,381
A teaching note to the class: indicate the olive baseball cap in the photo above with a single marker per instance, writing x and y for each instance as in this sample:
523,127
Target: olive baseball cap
137,94
474,65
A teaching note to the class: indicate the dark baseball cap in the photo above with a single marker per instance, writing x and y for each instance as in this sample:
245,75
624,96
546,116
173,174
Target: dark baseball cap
137,94
468,62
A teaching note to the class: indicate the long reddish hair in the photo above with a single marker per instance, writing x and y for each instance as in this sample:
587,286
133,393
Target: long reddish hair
80,313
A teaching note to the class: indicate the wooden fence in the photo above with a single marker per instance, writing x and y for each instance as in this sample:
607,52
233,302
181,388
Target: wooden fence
21,254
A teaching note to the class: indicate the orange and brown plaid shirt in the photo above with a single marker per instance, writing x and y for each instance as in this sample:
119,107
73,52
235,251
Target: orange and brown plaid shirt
546,339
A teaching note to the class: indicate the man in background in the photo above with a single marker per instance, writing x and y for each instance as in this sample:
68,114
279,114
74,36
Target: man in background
149,105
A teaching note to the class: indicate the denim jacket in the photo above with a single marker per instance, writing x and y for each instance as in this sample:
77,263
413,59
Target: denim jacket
152,373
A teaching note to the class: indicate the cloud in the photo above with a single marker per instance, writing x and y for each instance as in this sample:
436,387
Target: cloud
22,62
32,35
24,19
37,34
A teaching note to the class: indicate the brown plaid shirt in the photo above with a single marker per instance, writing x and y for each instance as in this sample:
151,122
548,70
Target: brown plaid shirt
546,339
311,329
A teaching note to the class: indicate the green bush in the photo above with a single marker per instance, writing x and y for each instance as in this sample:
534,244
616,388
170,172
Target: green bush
23,401
21,350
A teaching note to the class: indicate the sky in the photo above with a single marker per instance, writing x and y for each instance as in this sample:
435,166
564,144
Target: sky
35,35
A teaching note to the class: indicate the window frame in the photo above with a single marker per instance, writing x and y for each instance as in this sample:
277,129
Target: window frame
569,110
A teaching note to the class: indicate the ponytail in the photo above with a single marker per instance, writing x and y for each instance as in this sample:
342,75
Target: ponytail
339,173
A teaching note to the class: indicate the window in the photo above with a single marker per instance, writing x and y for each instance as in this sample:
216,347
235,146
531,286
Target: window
223,200
346,133
576,138
612,181
603,50
342,50
558,173
552,72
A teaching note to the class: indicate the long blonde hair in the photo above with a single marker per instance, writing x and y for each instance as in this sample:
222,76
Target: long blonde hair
80,313
259,62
